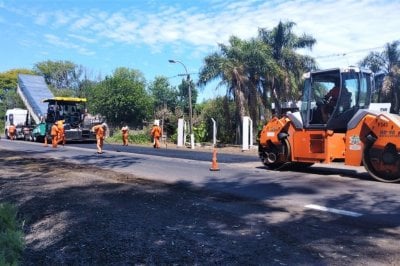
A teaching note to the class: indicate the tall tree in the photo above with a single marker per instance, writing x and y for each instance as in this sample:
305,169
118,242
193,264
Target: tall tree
60,74
229,67
164,95
122,97
8,89
284,81
387,63
263,68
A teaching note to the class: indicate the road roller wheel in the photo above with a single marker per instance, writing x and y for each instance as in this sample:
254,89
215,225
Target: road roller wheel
276,158
382,164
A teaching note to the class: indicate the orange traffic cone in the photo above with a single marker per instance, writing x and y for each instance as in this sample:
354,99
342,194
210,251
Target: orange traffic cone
45,141
214,164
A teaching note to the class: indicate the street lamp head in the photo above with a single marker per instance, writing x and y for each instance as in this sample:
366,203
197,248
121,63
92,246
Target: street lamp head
172,61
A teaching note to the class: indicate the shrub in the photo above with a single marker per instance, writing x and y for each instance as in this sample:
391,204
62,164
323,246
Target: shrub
11,236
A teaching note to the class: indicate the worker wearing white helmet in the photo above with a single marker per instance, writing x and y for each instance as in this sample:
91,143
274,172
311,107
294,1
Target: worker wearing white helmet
156,133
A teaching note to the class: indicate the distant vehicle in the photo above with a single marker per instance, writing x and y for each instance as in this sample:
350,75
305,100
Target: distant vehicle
77,123
43,109
19,118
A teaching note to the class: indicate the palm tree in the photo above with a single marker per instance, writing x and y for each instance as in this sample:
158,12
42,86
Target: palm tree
387,63
252,70
282,83
228,66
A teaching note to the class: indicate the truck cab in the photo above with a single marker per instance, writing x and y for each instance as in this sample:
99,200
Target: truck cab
18,118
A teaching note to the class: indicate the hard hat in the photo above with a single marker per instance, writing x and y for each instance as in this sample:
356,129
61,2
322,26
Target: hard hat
104,124
156,122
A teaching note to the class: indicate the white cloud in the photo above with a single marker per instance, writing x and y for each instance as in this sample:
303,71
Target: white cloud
339,26
56,41
42,19
82,23
62,18
82,38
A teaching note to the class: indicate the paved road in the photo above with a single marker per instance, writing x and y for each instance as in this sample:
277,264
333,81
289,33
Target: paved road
344,191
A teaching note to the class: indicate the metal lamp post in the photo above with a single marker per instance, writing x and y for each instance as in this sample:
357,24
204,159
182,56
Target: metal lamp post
190,102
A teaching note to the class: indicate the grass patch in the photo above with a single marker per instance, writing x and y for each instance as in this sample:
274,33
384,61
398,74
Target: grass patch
134,138
11,235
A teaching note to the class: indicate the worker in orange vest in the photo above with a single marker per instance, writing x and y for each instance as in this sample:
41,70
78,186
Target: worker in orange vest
100,131
125,135
61,132
156,133
54,135
11,131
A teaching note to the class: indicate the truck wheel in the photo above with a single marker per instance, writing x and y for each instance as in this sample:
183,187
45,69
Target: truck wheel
382,164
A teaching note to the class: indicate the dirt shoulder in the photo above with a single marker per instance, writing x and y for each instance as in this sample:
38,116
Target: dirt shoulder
87,216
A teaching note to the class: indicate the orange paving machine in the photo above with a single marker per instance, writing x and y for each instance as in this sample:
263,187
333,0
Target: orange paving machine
341,126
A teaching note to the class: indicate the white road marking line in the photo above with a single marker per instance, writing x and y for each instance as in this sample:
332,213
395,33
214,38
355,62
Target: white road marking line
337,211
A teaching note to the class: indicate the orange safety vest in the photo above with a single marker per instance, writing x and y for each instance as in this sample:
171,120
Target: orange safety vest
99,131
54,130
60,126
11,129
156,132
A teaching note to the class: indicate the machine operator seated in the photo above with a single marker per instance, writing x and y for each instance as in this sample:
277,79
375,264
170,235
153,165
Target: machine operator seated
331,99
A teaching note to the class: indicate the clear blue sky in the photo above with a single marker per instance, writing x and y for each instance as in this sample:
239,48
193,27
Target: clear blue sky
143,34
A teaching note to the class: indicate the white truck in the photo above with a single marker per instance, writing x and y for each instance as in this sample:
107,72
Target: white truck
20,119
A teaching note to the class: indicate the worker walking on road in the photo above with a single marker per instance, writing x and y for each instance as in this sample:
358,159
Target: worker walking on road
11,131
125,135
156,133
100,131
54,135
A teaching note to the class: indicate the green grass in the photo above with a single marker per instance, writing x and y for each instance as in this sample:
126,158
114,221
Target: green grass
11,235
134,138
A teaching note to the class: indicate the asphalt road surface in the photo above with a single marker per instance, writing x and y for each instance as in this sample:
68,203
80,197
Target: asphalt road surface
335,187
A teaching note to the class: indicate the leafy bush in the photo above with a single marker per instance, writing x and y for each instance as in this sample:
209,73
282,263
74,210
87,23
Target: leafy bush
139,138
11,236
200,132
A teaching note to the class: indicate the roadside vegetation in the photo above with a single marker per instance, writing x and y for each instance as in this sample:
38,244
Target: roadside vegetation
11,235
258,73
136,137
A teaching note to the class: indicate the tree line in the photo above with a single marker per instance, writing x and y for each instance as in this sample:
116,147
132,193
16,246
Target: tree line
258,73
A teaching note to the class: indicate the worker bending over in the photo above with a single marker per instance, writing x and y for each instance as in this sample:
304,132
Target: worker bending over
100,131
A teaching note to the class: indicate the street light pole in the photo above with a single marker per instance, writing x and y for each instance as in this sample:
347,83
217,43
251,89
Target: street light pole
190,102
